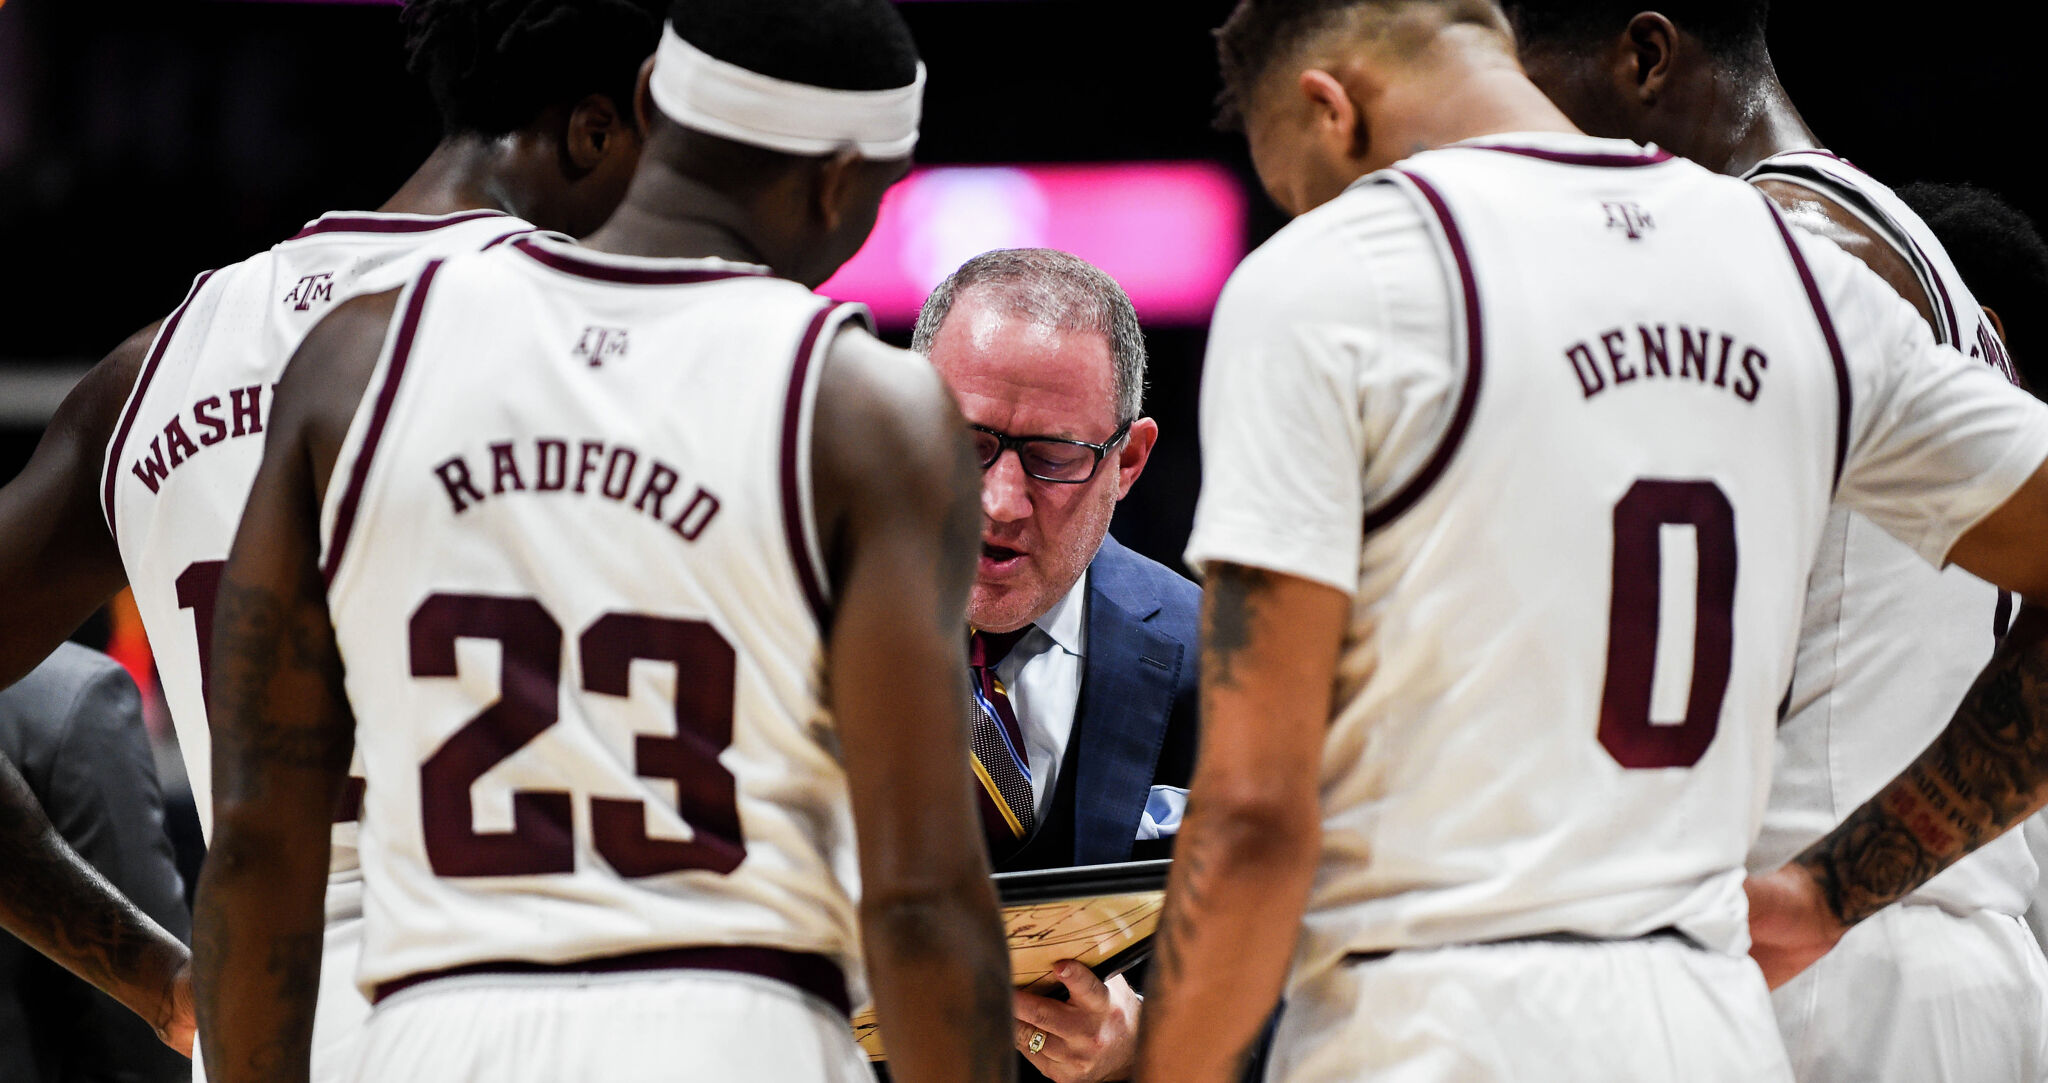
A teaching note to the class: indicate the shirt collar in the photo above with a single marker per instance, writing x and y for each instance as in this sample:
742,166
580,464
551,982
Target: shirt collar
1064,623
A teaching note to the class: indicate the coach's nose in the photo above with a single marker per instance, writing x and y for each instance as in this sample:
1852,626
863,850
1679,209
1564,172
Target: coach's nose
1005,489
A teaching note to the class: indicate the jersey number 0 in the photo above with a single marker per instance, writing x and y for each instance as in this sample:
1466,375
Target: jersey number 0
1626,730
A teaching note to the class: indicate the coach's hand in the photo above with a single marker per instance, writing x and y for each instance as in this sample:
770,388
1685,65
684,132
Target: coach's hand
1790,924
1091,1037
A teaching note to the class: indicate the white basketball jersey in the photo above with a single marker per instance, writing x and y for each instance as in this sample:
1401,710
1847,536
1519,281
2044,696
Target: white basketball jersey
576,586
1577,583
1890,645
191,436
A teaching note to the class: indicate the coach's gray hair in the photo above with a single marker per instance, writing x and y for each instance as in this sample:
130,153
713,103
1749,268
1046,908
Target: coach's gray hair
1058,290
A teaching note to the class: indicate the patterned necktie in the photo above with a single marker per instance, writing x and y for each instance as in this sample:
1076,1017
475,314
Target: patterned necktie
1008,809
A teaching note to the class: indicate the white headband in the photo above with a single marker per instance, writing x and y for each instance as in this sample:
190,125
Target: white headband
700,91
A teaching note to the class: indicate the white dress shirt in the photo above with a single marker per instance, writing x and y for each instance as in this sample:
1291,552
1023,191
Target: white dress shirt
1042,675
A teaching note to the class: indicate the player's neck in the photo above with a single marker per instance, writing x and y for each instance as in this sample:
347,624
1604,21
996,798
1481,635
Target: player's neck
1760,121
1467,103
668,215
464,173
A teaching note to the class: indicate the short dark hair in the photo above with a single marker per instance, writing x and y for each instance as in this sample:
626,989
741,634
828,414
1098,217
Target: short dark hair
1260,33
1731,29
835,44
494,65
1055,288
1999,253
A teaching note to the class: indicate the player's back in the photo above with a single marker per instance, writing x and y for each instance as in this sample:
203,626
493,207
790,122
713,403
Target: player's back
1889,644
1580,577
576,588
190,437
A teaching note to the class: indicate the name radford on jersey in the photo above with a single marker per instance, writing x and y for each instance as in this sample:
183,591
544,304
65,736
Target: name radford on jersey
613,472
170,448
1616,357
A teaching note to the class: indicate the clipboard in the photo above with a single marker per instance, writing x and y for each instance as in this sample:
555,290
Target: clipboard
1102,915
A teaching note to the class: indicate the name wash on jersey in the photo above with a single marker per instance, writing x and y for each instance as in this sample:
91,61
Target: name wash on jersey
614,469
1703,357
216,419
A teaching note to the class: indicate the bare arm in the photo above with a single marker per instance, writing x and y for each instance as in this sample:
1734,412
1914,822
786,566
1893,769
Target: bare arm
62,907
1984,774
1248,846
282,730
897,502
57,566
59,563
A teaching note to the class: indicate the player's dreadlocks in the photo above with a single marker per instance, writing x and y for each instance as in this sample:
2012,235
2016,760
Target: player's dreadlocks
1260,33
1732,30
1999,253
835,44
493,65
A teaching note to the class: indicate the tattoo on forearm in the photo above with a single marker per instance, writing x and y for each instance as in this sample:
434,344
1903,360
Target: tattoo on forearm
1976,781
262,639
56,903
1232,599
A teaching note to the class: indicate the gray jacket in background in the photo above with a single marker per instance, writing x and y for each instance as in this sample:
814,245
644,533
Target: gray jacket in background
74,728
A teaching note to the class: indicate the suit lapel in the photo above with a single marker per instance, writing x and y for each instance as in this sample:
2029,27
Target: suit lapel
1126,696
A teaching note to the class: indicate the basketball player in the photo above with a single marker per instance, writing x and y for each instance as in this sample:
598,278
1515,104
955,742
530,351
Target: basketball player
637,571
1517,456
140,477
1950,985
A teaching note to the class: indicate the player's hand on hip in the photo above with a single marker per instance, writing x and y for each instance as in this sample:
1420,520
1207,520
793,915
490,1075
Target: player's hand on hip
1790,925
1091,1037
175,1021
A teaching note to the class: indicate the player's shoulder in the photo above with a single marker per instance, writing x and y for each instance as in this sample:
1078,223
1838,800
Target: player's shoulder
1318,265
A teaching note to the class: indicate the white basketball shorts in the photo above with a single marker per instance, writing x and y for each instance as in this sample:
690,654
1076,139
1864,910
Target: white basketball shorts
1916,993
636,1027
1534,1012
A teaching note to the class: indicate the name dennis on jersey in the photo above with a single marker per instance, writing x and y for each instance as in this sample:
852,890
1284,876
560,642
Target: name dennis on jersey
215,418
1613,358
613,472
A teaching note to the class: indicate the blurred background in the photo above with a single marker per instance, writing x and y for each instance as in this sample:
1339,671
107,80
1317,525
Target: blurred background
142,141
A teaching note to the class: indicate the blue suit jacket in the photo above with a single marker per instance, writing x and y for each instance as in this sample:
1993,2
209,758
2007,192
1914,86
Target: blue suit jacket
1135,726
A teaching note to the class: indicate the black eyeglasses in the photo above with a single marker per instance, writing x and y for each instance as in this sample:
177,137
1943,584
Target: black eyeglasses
1047,458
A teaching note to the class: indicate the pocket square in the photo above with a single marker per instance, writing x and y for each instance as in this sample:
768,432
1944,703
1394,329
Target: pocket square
1163,810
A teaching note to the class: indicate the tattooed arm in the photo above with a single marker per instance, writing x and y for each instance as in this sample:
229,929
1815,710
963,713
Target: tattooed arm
282,730
896,500
1248,846
62,907
1984,774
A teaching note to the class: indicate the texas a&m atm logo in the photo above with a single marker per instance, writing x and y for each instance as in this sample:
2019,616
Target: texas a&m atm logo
601,344
1630,219
311,288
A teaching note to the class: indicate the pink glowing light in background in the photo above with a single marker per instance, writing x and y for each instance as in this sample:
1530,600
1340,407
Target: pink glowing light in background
1169,232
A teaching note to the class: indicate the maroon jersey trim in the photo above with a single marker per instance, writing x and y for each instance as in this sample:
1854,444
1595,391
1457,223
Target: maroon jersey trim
627,276
1475,367
119,447
380,413
1827,330
809,575
813,974
1604,160
368,223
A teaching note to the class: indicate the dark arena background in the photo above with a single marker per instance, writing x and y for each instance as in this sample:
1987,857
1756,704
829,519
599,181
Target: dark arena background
142,141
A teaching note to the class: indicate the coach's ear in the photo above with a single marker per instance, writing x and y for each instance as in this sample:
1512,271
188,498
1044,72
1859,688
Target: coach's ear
1646,63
